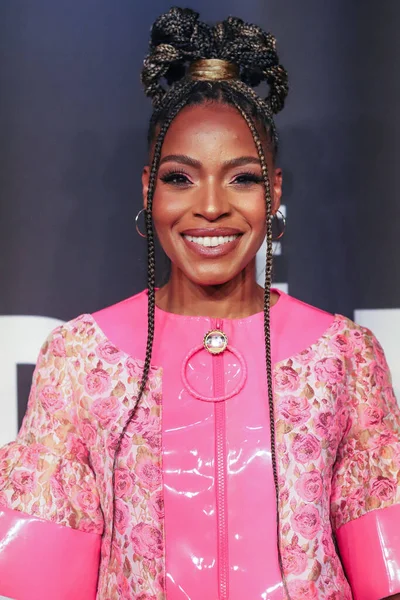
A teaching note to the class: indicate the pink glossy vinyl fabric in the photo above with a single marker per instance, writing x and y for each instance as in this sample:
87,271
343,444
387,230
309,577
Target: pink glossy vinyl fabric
369,547
40,560
219,494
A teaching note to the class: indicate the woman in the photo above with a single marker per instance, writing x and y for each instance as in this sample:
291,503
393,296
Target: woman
236,442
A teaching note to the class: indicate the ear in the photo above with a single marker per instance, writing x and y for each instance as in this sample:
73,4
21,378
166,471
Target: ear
145,184
276,190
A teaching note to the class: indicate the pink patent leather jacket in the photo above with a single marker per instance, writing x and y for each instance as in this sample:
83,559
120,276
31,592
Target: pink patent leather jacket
195,501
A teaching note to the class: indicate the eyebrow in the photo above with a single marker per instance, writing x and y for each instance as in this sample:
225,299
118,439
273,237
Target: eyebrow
183,159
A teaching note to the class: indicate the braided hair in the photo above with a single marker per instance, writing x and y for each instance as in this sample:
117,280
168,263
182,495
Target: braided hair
178,39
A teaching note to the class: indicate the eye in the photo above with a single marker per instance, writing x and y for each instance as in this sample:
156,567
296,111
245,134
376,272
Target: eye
175,178
247,179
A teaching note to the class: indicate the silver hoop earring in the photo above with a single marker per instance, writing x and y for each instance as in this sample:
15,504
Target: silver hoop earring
283,220
137,223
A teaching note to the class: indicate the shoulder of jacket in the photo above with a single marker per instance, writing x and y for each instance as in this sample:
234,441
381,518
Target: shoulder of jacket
77,336
355,343
348,326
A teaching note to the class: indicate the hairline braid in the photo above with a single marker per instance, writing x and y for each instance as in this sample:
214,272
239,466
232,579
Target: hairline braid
267,314
262,105
180,103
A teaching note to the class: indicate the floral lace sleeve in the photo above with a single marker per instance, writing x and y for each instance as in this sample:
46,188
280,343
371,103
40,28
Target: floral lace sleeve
365,500
45,472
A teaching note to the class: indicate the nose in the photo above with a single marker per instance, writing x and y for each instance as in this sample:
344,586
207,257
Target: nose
212,202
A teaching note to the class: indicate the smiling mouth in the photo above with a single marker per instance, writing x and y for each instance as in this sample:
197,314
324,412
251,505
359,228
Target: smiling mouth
211,241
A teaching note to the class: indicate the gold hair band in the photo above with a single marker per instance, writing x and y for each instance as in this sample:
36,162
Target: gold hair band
213,69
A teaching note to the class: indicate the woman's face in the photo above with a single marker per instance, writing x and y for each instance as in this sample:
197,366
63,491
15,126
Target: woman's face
209,206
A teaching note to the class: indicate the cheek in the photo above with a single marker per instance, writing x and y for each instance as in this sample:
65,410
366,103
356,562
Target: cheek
167,208
255,212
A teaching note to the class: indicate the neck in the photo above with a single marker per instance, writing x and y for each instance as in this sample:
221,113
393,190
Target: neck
236,299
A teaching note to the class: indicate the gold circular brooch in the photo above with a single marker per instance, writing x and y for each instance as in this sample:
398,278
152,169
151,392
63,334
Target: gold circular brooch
215,341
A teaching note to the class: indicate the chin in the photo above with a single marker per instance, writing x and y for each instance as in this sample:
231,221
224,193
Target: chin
210,279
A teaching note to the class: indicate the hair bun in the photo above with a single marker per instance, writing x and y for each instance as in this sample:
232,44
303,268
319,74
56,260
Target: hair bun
178,39
254,51
175,39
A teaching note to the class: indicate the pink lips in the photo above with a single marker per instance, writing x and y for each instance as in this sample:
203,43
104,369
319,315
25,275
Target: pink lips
211,232
212,251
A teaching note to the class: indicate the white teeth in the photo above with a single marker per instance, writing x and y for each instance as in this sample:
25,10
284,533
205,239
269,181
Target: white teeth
211,241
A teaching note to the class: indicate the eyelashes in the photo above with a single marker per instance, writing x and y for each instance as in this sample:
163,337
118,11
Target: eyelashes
176,178
181,179
248,178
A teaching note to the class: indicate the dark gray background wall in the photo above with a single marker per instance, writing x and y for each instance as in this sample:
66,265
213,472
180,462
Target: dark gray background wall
72,145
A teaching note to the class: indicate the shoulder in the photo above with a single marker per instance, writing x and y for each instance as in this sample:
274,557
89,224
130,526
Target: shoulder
134,307
335,330
351,339
320,335
329,325
94,332
358,350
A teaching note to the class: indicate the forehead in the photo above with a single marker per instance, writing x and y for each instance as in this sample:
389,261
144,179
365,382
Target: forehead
209,130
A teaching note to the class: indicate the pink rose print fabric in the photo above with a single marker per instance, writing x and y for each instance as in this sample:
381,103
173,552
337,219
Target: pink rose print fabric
338,425
337,439
60,466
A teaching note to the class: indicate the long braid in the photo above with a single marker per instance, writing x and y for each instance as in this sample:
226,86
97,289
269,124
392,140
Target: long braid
267,314
180,103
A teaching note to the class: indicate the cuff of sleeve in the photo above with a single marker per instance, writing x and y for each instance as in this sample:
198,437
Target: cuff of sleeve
40,560
370,551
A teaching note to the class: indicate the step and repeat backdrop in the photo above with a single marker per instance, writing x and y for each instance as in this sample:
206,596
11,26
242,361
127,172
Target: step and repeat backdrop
73,142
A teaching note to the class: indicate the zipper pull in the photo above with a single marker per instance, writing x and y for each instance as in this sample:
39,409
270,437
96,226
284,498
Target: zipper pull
215,341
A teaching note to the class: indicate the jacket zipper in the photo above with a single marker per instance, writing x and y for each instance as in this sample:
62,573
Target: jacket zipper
221,474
